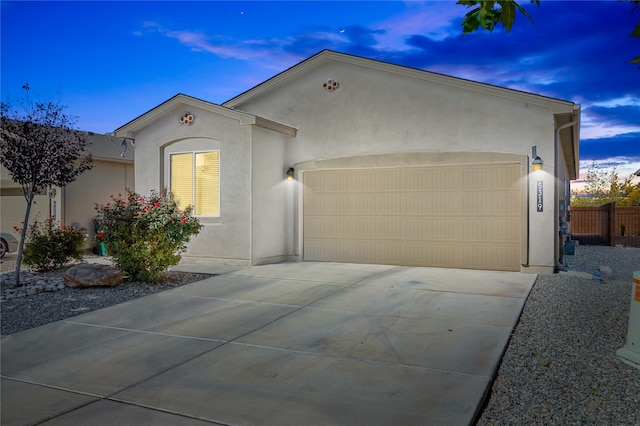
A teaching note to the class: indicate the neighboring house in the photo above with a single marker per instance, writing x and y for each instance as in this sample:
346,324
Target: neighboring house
392,165
73,205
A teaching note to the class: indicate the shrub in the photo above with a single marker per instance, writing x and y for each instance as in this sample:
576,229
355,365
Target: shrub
145,236
50,246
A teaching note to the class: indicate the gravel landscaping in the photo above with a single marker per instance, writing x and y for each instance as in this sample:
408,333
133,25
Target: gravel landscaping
560,367
44,298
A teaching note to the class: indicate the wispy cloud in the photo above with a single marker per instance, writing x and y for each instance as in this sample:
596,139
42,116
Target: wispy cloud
255,50
620,151
555,57
603,122
435,20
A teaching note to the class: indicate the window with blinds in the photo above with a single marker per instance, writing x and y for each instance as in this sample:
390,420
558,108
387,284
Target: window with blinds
195,180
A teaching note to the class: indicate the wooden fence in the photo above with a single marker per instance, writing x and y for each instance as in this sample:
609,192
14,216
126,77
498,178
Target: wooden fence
603,225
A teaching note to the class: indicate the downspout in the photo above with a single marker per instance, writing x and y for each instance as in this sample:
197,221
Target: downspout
251,189
556,221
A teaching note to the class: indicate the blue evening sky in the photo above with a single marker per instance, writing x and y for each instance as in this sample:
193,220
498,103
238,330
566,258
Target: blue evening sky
110,62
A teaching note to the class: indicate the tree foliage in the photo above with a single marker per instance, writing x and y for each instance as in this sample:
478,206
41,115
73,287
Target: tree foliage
636,31
487,14
40,149
606,187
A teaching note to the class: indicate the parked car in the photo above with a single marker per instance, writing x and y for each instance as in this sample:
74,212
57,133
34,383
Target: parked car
8,243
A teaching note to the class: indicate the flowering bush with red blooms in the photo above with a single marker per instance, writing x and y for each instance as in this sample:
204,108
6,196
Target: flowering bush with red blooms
145,235
50,245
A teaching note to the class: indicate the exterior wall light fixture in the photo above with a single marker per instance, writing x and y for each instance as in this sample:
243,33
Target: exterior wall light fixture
537,163
289,173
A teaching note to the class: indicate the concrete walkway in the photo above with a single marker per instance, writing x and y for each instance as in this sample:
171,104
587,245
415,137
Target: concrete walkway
286,344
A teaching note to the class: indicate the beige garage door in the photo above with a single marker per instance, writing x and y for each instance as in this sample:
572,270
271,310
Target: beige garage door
453,217
13,207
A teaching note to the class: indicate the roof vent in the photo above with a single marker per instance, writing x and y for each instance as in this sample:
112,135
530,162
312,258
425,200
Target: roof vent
186,119
330,85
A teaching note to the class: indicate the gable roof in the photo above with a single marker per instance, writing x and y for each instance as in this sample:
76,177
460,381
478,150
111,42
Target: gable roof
108,148
129,130
554,105
567,113
103,147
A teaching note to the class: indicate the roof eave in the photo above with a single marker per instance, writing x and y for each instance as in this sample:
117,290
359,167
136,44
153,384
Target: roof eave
554,105
112,159
129,130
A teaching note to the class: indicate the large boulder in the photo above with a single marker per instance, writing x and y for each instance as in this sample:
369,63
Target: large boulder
92,275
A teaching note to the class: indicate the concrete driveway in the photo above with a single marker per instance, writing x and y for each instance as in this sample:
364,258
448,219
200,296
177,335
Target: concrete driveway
286,344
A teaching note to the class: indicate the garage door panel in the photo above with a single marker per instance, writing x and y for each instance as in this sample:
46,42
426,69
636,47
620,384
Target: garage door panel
356,251
383,252
433,203
421,216
441,230
489,204
501,257
377,228
417,179
478,177
442,255
323,204
376,204
376,181
329,250
506,203
491,230
327,227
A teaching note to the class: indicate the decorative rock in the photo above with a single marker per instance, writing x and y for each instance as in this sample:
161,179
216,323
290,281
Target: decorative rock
92,275
605,271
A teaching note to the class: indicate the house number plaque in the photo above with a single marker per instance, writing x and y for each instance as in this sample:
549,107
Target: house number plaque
539,193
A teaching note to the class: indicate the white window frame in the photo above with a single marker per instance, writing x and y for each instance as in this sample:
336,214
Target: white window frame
193,187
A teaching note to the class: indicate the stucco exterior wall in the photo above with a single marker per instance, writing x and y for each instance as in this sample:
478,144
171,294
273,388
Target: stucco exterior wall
541,224
378,115
374,112
226,238
74,204
94,186
272,226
